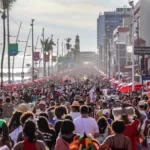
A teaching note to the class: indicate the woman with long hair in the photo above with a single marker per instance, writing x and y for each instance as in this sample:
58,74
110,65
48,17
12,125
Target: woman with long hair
104,129
15,126
48,134
4,135
30,142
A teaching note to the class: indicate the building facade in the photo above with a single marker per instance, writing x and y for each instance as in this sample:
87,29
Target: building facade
142,26
109,21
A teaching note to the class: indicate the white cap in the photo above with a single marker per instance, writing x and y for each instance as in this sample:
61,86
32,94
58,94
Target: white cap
106,112
141,103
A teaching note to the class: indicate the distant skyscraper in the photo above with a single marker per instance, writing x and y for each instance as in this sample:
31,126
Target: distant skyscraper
108,22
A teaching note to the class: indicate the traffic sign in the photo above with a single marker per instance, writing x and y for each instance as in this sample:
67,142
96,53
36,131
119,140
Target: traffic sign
13,49
146,77
142,50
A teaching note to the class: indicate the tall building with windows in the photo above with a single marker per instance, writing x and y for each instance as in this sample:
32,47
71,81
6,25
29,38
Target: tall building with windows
108,22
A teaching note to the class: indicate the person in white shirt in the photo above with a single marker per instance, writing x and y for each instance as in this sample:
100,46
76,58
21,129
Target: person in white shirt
86,124
75,110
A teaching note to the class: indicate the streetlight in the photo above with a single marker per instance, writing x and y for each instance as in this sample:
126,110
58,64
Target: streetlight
22,74
131,3
13,64
32,26
118,57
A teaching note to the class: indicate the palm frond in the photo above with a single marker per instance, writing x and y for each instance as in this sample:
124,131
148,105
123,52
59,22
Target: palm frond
6,4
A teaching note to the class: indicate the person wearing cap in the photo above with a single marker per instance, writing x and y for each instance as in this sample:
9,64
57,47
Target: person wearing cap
75,110
106,113
142,106
42,107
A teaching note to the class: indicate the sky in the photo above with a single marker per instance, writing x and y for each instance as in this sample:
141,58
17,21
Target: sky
62,18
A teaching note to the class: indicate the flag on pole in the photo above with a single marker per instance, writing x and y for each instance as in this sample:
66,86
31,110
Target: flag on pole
46,58
36,56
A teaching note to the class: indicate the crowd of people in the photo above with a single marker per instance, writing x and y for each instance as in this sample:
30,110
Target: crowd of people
78,115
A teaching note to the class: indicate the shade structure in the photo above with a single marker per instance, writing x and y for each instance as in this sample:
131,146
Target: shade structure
147,83
106,79
115,83
121,85
128,87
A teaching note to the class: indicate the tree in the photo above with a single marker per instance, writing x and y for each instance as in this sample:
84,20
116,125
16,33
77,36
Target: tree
5,5
48,48
68,45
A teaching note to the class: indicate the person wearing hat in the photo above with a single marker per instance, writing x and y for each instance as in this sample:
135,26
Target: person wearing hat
42,107
142,106
75,110
106,114
77,98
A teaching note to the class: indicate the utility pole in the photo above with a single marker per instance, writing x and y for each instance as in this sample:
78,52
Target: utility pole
109,58
13,64
62,53
106,55
36,48
22,74
43,54
118,57
32,25
57,52
8,40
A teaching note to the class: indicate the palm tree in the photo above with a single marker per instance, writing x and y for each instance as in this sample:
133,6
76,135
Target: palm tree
48,48
68,45
45,45
5,5
51,44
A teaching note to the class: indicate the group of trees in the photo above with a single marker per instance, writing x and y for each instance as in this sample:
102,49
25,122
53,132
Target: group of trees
47,45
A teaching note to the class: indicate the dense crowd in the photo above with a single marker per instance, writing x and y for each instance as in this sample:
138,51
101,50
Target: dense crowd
79,115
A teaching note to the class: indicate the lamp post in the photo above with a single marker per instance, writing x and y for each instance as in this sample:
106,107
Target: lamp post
131,3
43,47
32,25
118,57
57,53
22,74
13,64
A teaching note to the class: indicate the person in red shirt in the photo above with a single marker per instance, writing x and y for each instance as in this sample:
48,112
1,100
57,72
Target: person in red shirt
131,128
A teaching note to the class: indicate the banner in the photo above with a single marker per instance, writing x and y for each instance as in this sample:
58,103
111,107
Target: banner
13,49
60,58
36,56
46,58
54,58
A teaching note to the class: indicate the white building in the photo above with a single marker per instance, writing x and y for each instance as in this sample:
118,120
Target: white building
120,42
142,17
142,26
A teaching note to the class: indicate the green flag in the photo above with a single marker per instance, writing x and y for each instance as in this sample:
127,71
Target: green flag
13,49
